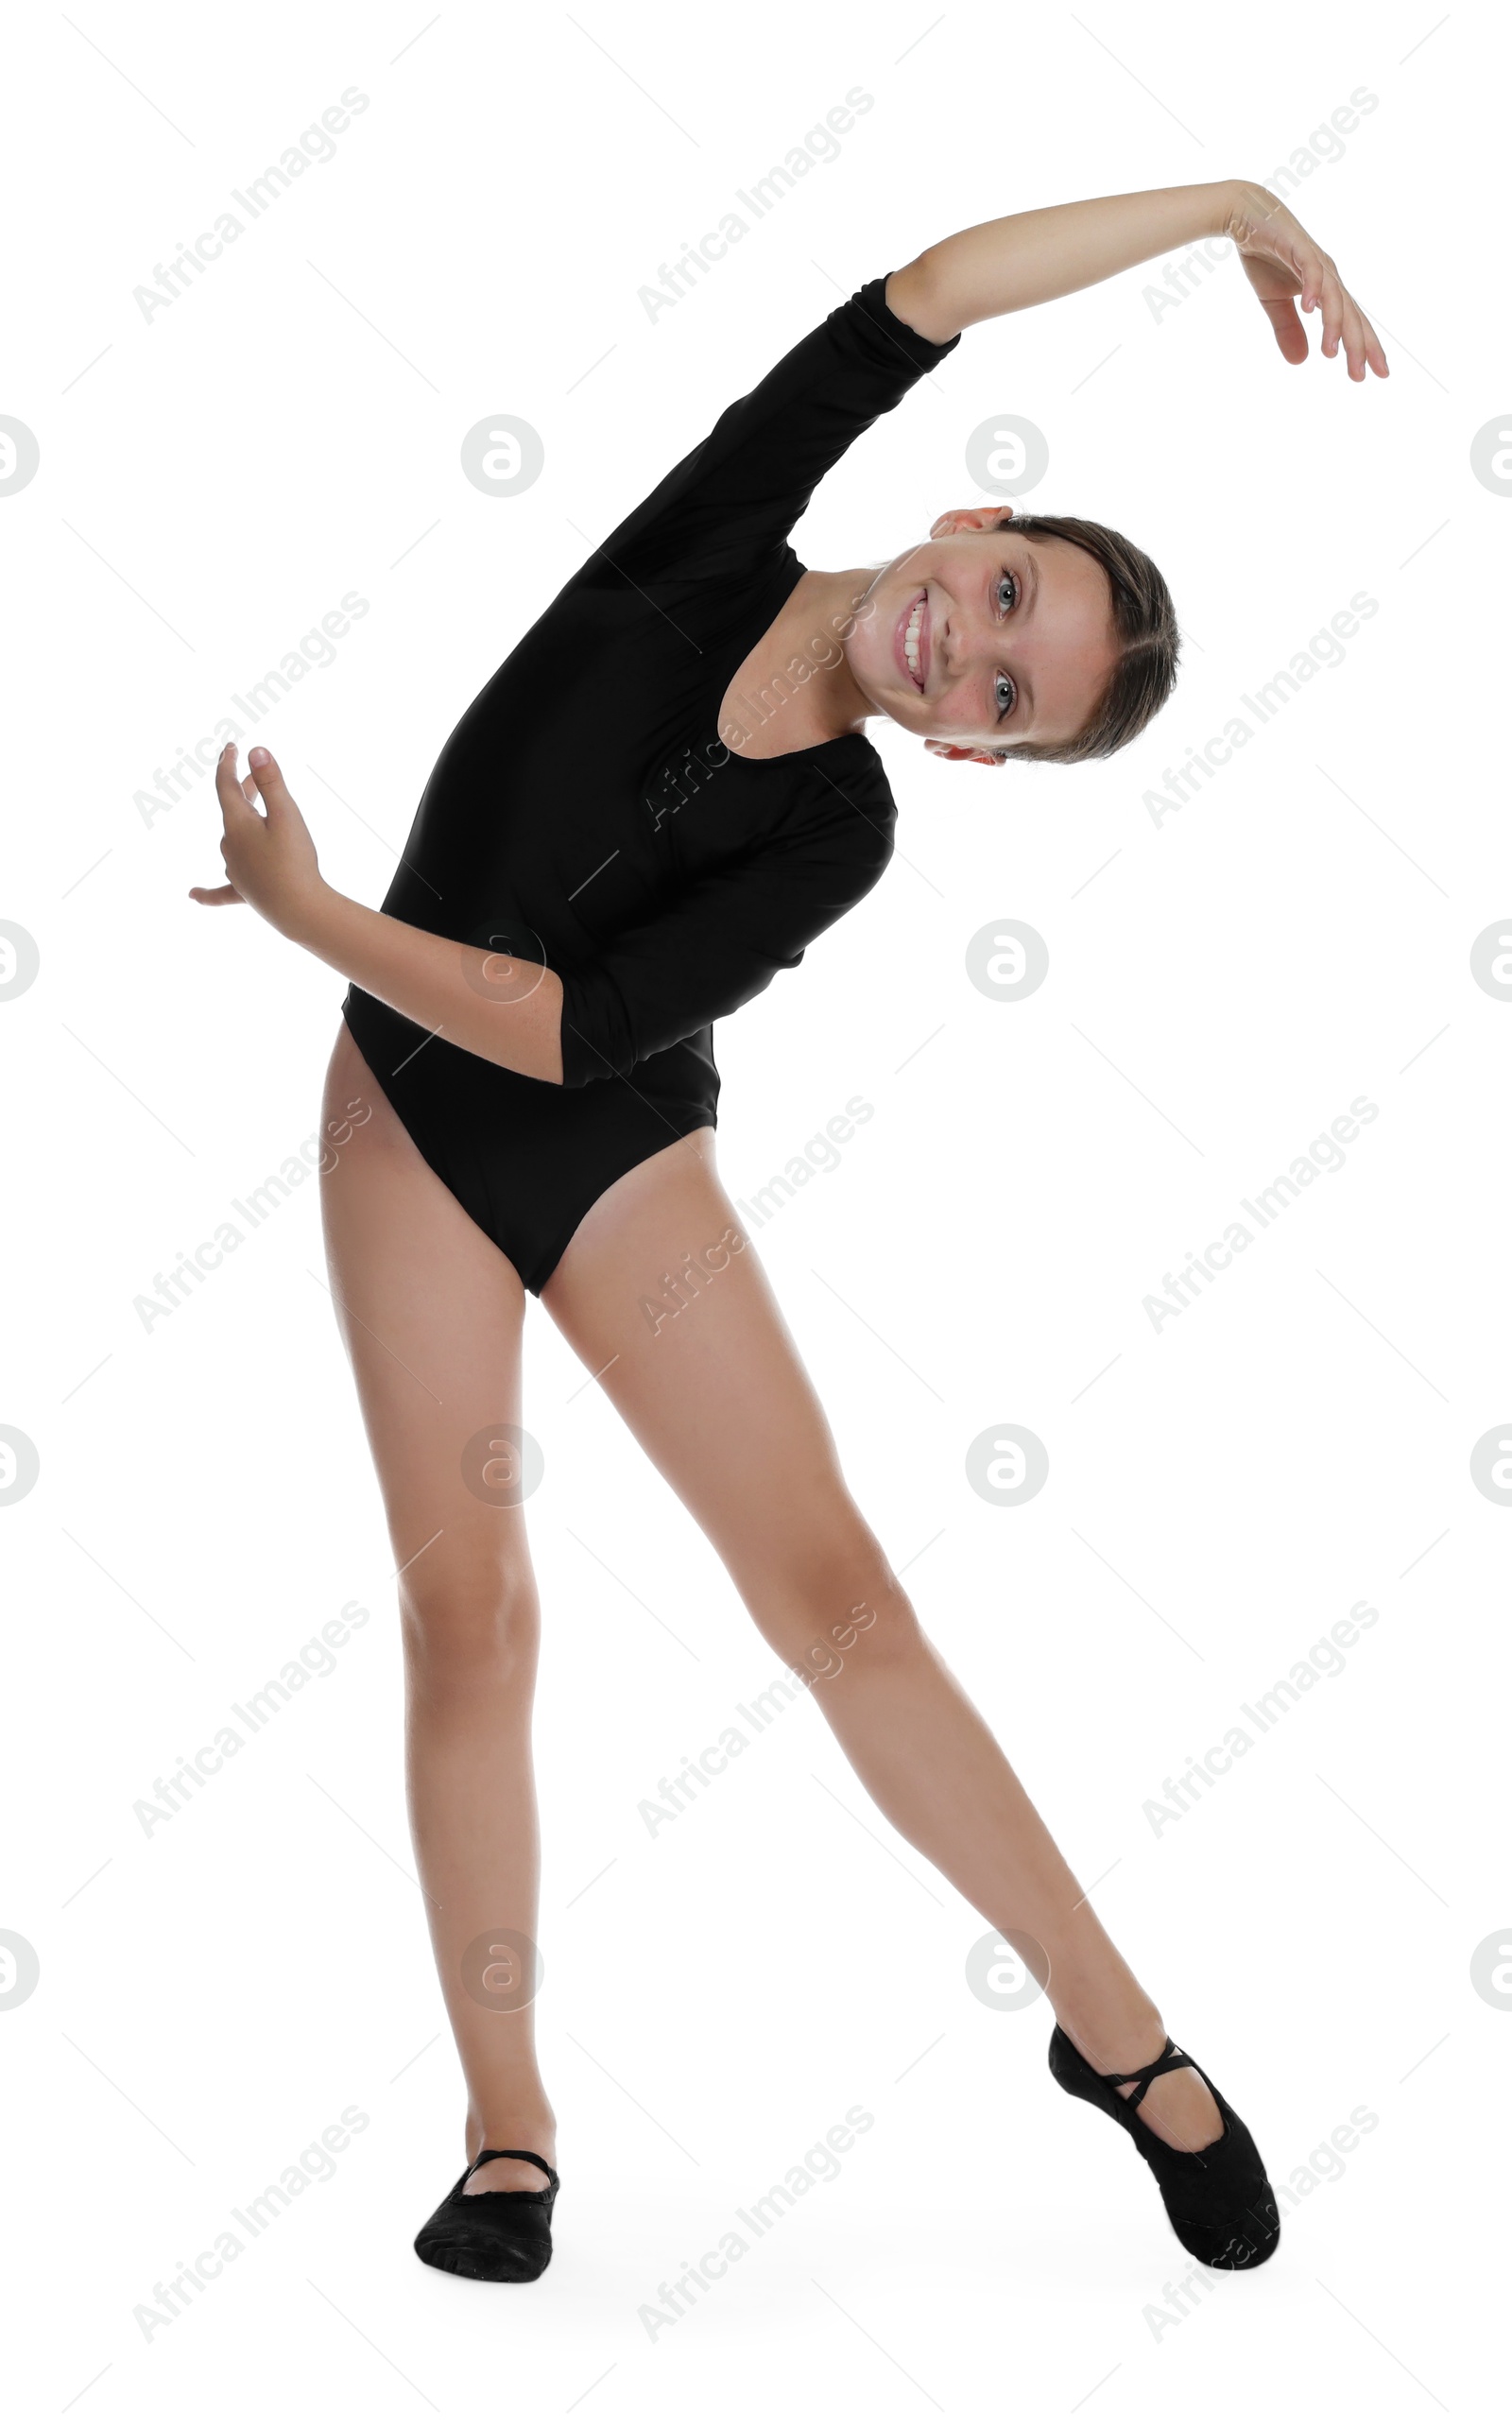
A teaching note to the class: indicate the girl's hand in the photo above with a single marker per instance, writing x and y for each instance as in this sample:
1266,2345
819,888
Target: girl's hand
270,859
1282,262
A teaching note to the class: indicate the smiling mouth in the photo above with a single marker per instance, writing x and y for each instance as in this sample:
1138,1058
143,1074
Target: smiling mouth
912,645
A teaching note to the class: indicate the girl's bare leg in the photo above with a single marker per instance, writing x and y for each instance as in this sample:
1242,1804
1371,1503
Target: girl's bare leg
431,1314
719,1400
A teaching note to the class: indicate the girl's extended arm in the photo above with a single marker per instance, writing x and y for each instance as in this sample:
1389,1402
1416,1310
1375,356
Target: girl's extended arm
506,1010
1006,265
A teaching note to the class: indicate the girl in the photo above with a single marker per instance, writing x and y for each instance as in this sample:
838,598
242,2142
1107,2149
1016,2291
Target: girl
660,798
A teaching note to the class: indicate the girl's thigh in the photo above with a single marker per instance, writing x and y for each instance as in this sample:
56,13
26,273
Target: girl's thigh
662,1294
431,1313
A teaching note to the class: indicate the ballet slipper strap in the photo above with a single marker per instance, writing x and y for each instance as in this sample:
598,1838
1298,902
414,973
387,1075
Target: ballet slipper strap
532,2157
1167,2062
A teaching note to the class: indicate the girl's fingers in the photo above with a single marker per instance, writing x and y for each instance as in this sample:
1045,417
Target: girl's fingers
214,895
239,795
1361,344
234,802
1320,289
1375,353
269,780
1290,334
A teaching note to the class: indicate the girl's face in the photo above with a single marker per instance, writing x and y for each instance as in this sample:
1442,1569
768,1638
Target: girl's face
978,637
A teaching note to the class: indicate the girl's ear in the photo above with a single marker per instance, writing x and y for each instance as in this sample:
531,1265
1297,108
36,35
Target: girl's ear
968,518
955,751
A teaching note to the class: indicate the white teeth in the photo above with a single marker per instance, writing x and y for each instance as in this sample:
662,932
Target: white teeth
911,637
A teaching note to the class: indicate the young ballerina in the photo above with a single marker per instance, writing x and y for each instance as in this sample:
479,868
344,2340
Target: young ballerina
660,798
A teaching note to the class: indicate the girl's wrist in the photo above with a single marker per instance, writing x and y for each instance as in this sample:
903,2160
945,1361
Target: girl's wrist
1229,191
1244,201
307,919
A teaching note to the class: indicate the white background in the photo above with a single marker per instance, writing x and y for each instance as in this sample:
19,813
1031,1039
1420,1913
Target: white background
1220,988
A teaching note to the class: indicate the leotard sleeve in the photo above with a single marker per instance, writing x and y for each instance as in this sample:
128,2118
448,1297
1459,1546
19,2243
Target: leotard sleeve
720,943
737,495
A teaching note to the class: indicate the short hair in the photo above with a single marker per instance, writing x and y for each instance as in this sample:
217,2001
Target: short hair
1145,624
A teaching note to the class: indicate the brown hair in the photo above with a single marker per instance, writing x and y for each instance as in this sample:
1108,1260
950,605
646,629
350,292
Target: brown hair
1144,622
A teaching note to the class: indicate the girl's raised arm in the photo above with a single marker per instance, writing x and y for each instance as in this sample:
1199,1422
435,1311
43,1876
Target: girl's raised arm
1006,265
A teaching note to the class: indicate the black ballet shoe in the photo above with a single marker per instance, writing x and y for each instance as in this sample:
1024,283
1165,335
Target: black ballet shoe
502,2236
1218,2199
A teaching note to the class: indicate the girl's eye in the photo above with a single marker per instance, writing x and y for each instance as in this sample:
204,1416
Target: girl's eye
1004,689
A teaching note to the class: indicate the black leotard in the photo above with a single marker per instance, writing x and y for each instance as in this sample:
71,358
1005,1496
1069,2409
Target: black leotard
586,813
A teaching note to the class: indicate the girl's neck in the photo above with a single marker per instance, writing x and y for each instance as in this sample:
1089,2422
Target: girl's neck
795,688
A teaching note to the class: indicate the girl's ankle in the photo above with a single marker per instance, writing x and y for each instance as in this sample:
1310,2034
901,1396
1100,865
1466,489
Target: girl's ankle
538,2134
1114,2043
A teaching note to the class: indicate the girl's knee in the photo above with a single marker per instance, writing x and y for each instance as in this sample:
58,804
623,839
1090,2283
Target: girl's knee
838,1604
468,1626
881,1628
